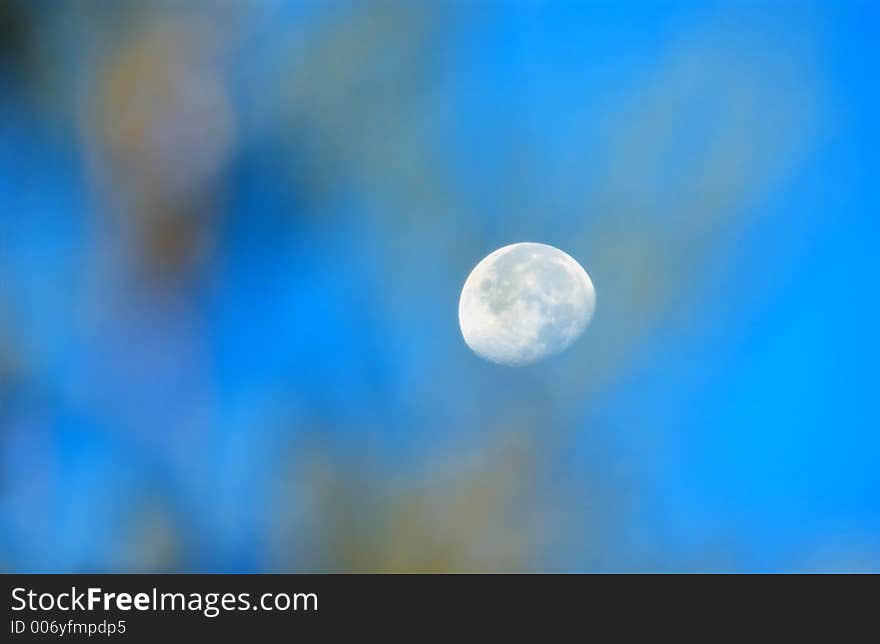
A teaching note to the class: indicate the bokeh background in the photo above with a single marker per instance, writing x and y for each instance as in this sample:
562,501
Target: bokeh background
233,236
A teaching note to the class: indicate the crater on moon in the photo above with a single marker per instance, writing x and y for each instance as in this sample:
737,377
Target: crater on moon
525,302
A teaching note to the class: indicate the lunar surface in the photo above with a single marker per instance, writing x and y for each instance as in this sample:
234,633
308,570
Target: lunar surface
525,302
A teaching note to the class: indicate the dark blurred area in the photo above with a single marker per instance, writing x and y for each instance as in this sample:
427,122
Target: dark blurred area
233,236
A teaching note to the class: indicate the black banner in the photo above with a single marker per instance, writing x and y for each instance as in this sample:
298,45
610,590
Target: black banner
287,607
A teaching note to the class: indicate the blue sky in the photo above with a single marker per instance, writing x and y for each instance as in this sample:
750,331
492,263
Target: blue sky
738,428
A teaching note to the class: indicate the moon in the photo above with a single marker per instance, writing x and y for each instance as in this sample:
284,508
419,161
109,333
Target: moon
525,302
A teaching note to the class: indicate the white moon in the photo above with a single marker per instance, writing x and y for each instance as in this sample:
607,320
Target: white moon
525,302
